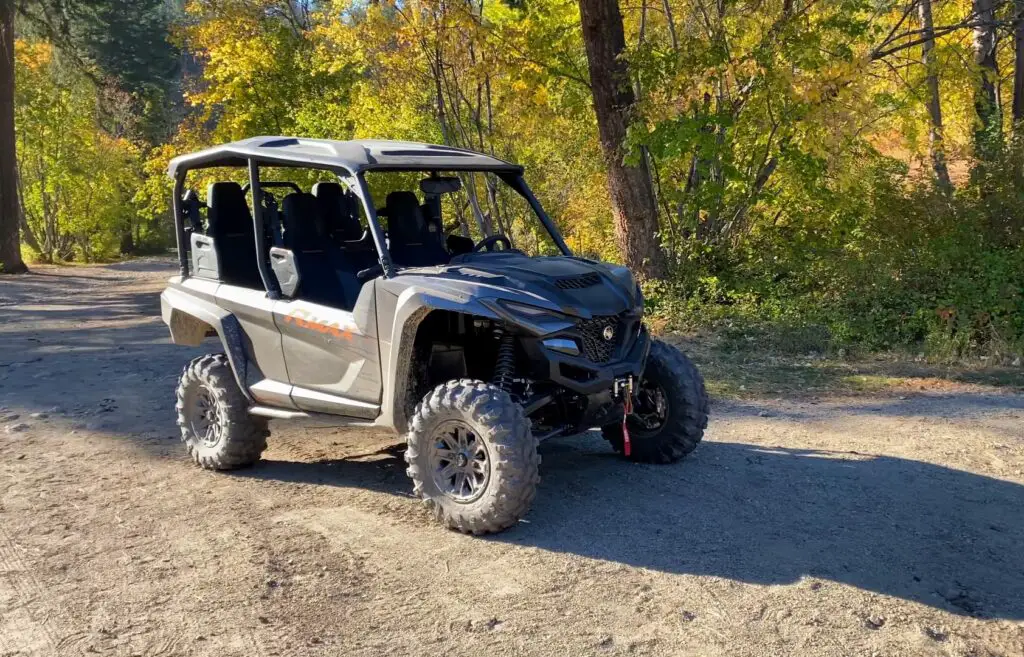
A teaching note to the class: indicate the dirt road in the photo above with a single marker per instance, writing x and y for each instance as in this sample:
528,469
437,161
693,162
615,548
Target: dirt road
873,525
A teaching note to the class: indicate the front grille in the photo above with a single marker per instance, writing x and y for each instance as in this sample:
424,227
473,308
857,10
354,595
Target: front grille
578,282
595,347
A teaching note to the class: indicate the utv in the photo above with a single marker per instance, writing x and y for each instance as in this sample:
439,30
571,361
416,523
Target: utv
332,307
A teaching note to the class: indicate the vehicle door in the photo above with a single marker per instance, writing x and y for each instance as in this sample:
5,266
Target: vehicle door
332,355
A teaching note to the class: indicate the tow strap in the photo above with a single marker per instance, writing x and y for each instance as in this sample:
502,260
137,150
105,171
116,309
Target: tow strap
627,406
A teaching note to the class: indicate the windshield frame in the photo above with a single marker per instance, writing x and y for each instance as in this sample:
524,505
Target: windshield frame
513,178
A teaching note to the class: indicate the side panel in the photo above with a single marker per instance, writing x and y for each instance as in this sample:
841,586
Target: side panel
332,355
204,257
254,312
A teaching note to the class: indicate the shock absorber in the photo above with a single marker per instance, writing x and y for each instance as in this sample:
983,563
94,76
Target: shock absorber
505,364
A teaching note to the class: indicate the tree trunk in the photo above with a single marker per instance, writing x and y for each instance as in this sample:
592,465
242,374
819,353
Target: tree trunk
1018,62
10,209
936,147
988,133
634,208
671,25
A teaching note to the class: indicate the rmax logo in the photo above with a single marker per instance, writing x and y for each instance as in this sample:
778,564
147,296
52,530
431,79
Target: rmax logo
304,320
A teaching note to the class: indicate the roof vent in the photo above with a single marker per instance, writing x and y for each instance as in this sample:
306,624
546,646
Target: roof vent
425,152
280,143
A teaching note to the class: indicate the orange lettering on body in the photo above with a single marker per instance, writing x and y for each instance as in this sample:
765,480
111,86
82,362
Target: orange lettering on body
297,317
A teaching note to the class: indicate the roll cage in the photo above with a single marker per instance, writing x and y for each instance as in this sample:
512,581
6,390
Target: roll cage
349,161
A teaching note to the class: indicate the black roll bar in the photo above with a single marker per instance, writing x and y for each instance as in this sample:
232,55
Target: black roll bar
518,183
179,223
362,190
269,282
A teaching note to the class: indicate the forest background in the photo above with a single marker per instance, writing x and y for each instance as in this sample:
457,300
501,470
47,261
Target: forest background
833,175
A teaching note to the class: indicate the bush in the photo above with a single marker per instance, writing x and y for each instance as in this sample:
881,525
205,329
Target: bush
876,262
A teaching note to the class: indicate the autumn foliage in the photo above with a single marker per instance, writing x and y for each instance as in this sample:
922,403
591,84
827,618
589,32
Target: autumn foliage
801,180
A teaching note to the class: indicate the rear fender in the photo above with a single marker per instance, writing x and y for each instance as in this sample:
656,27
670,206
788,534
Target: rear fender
192,320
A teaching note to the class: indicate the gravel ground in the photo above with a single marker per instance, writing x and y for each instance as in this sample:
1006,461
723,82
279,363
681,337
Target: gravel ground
869,525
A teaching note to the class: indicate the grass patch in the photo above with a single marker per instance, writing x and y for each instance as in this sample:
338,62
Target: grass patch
746,370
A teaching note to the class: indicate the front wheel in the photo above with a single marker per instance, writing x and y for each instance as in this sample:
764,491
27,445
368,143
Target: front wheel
472,457
670,409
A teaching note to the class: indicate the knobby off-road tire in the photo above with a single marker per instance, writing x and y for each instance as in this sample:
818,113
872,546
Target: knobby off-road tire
687,416
214,419
488,415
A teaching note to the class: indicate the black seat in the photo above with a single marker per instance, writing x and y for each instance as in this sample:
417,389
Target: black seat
325,276
414,241
340,210
231,227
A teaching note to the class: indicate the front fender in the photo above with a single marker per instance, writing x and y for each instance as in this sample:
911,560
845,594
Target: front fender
399,317
191,320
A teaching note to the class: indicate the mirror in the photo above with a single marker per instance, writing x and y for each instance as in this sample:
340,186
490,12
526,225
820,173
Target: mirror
437,185
282,261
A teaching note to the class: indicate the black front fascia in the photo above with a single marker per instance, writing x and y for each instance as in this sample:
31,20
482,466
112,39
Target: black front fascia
583,376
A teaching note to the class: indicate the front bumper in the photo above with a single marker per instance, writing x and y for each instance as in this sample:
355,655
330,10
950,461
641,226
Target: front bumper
583,376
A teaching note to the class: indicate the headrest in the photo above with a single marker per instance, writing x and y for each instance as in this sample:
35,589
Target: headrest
304,228
339,209
228,212
406,223
328,190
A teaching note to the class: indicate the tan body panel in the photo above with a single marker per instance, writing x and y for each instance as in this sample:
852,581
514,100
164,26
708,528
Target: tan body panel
331,355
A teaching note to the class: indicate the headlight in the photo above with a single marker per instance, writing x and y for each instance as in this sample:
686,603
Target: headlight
564,345
536,320
533,313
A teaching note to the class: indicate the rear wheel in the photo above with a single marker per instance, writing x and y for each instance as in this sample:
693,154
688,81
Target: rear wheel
213,416
472,457
670,409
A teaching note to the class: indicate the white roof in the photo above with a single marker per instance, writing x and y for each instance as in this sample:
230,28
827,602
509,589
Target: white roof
352,156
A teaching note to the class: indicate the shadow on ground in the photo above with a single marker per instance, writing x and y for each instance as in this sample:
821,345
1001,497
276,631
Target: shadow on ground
925,533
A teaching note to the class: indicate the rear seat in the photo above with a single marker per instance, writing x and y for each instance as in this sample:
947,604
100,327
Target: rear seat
327,273
339,209
231,227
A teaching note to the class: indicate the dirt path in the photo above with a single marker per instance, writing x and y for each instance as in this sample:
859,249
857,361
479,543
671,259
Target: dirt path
873,525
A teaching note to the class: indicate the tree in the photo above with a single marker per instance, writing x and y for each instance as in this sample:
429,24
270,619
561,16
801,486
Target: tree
936,146
106,39
988,133
634,206
1018,59
10,209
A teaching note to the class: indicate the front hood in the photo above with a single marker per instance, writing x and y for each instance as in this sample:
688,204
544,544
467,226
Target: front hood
575,286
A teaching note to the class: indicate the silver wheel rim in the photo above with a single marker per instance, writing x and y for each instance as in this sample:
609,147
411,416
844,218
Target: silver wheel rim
202,417
459,461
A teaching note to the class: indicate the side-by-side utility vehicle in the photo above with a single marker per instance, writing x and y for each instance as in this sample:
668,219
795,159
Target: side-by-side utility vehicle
400,285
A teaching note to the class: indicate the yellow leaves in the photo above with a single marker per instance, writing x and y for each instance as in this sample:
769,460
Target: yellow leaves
33,54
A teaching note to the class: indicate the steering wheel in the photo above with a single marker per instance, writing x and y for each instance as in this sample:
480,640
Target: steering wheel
488,243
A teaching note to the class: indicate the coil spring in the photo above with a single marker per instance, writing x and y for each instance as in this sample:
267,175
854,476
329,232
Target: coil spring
504,366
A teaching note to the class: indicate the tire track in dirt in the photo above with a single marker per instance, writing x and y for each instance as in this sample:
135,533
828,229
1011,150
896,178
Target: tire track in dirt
21,631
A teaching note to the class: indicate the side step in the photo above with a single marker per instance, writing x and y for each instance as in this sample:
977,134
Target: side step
325,419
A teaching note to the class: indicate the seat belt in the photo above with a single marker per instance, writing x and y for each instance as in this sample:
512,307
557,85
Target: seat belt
276,234
190,208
